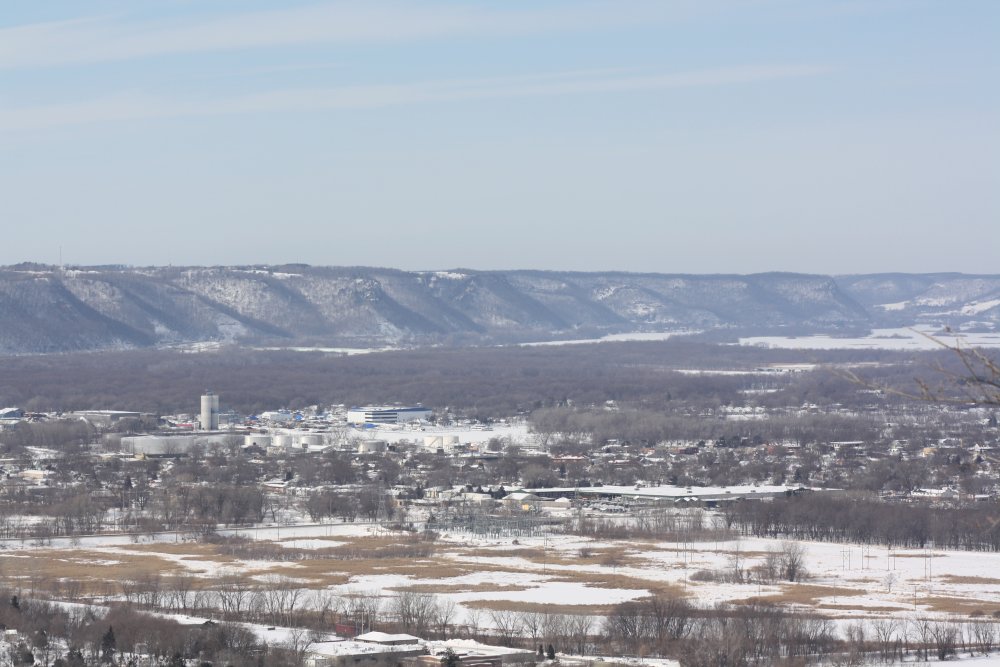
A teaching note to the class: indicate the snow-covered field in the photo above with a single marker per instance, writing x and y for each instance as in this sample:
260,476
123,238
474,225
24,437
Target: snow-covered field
905,338
574,573
617,338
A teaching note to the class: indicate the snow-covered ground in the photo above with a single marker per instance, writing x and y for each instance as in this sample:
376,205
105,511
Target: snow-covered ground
618,338
845,581
345,351
904,338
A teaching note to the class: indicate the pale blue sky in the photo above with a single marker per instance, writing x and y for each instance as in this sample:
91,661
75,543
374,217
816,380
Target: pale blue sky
828,136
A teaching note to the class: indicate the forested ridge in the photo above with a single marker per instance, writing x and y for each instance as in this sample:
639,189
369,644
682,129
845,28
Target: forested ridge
489,381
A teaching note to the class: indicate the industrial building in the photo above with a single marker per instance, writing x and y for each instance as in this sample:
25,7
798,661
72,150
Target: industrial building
105,418
386,415
676,494
378,649
373,649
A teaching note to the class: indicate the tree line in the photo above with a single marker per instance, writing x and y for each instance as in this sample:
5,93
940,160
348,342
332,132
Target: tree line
485,382
869,520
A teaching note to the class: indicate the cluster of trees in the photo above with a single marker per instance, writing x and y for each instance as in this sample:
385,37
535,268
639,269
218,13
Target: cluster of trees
662,523
652,626
65,435
76,511
81,636
361,502
485,382
755,634
868,520
758,633
649,426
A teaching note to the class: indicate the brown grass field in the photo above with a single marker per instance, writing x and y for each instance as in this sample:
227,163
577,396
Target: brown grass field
431,567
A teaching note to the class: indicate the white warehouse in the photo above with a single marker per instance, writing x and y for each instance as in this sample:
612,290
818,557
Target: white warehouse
386,415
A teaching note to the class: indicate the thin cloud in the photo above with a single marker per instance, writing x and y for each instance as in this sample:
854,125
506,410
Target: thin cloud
136,106
107,39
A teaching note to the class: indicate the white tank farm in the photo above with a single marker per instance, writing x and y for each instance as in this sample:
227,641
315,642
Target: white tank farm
441,441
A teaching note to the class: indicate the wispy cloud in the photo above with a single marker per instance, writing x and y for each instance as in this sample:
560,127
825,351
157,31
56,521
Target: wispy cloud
105,39
138,106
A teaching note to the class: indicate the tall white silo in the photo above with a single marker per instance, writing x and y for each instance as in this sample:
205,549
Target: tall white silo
209,412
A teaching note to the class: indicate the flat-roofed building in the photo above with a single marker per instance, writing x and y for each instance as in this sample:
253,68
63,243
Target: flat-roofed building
386,415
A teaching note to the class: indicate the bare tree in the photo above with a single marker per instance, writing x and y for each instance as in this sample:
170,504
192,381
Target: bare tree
364,608
579,627
922,632
554,627
857,645
129,589
414,611
181,587
507,625
324,602
533,624
233,593
150,589
945,636
886,631
737,567
984,633
297,644
793,561
473,621
444,616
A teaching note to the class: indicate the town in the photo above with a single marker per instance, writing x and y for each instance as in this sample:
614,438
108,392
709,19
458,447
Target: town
387,534
493,333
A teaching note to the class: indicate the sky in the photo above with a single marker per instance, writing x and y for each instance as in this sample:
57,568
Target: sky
674,136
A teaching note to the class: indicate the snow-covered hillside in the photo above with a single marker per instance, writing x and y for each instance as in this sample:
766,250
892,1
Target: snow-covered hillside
46,309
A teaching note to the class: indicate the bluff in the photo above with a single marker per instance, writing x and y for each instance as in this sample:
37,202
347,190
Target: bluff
49,309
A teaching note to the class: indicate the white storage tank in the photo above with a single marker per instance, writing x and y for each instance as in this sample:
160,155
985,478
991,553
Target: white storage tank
260,440
433,441
157,445
450,440
372,446
311,440
284,441
209,412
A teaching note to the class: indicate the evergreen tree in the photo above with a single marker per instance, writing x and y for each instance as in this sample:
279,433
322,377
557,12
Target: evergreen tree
108,645
22,655
75,658
450,659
